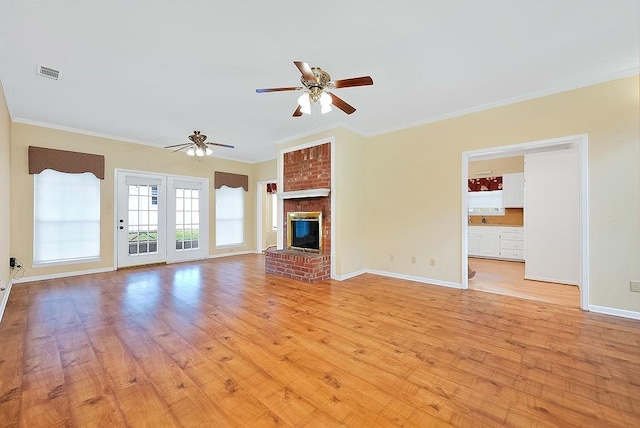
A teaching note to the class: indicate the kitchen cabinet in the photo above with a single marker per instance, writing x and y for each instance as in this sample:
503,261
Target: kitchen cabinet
513,190
512,243
484,241
496,242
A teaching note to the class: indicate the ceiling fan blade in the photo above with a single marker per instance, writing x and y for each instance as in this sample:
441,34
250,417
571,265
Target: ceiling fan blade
305,70
354,81
178,145
178,149
291,88
298,112
342,104
221,145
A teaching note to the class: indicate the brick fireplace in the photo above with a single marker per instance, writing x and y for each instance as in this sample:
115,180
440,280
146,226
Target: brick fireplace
303,170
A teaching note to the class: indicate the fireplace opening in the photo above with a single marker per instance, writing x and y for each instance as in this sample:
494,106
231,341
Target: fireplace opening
304,231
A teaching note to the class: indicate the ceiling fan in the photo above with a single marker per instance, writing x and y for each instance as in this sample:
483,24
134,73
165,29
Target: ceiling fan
315,83
197,147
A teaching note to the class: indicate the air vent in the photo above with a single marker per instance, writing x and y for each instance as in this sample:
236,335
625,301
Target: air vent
49,73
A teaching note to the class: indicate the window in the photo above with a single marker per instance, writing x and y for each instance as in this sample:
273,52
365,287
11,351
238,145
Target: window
486,203
66,217
229,216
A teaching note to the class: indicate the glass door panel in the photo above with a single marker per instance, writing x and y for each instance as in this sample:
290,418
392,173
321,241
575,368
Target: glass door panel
187,219
189,206
140,219
143,219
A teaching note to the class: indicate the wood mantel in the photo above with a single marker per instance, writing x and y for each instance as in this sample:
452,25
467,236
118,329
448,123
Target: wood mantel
307,193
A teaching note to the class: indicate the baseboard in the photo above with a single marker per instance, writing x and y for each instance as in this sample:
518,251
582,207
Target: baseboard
63,275
349,275
415,278
616,312
236,253
5,299
555,281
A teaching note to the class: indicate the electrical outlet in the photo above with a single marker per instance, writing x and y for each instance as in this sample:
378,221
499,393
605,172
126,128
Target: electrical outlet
635,286
413,260
390,257
12,262
432,262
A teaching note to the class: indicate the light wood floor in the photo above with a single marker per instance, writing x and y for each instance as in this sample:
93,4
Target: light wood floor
219,343
507,278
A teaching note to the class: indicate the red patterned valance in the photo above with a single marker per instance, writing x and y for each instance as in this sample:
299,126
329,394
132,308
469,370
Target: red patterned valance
485,184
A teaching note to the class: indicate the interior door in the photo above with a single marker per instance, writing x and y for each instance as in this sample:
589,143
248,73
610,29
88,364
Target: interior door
552,230
140,222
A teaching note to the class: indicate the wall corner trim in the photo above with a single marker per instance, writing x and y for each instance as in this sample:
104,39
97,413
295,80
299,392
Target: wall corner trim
350,275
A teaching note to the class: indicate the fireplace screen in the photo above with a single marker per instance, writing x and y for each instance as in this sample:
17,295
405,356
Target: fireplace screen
304,231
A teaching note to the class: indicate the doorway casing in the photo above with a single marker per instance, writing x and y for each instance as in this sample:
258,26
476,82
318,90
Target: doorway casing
578,141
260,206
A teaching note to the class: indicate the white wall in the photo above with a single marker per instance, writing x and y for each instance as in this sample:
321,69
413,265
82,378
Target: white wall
5,196
498,167
552,217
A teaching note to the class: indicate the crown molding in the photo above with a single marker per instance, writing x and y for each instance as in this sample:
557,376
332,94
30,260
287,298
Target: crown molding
81,131
501,103
116,138
316,131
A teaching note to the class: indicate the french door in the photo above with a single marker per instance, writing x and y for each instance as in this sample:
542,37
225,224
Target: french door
160,218
187,219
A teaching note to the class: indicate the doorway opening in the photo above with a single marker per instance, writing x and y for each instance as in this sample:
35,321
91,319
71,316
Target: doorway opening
267,215
508,277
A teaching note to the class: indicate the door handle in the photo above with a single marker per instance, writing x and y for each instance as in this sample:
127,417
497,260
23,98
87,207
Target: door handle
121,227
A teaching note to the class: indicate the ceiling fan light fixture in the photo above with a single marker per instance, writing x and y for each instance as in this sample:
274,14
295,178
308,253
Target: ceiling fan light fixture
325,103
305,103
197,147
315,82
325,99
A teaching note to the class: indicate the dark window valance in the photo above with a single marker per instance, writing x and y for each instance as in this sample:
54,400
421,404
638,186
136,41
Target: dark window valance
485,184
231,180
64,161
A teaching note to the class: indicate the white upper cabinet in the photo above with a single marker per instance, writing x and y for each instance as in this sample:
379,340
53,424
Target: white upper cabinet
513,190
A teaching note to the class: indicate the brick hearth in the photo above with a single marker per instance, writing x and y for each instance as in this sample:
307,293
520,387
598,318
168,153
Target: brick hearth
307,267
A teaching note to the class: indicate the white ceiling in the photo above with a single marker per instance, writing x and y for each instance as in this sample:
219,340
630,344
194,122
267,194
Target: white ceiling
154,71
